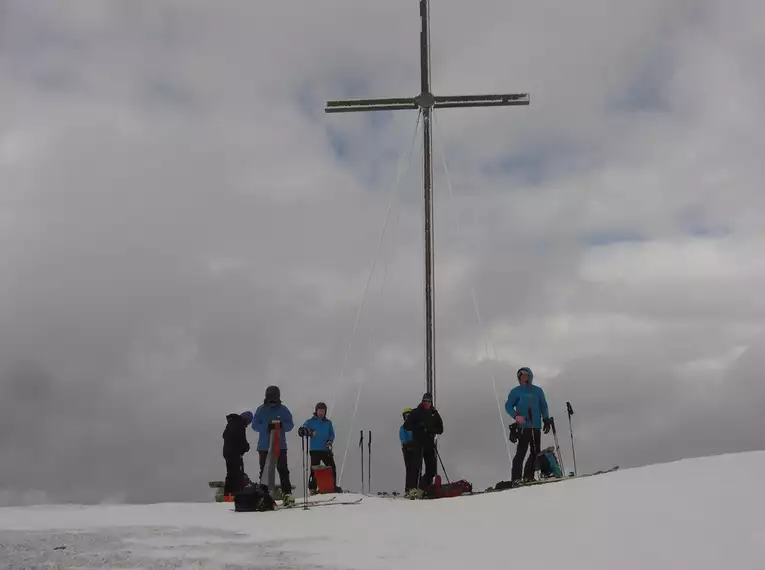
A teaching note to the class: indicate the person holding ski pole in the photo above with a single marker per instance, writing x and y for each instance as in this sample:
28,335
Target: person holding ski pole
410,454
269,414
425,423
322,433
525,399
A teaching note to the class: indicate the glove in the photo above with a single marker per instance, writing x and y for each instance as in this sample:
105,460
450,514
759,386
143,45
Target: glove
514,433
520,419
306,432
546,428
329,445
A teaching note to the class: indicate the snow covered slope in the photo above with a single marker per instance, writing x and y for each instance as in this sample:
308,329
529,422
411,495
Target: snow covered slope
696,514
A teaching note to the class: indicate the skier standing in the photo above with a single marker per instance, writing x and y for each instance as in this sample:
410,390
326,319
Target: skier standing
272,412
322,433
410,454
524,399
425,423
235,445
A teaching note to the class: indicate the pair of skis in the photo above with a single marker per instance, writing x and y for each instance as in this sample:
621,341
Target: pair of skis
328,502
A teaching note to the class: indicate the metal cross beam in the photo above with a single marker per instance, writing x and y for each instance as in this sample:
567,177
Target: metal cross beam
426,101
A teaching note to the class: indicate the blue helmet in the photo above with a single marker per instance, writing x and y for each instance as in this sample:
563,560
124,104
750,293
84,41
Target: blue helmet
525,370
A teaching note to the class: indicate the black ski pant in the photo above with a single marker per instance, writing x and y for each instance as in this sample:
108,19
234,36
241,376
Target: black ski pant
234,474
281,468
317,457
524,439
411,459
426,452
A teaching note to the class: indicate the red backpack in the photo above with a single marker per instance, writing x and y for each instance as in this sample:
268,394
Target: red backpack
453,489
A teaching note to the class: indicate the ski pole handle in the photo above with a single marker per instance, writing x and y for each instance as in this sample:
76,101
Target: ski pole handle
569,409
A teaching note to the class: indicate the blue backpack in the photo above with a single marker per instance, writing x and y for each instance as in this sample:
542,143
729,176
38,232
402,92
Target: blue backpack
548,464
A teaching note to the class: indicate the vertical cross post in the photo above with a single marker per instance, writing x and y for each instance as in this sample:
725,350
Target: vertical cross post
426,102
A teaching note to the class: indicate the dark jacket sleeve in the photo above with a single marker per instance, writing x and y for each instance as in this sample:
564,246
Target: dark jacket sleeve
436,423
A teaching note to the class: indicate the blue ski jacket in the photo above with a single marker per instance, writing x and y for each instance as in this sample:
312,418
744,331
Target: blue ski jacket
261,419
325,432
521,397
404,435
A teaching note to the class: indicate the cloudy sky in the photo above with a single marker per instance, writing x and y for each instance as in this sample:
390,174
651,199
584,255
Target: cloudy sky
182,225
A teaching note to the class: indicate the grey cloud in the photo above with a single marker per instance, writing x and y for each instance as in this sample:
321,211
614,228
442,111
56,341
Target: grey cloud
179,232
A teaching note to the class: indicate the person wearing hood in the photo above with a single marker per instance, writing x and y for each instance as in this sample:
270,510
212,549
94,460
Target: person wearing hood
269,414
235,445
527,405
425,423
411,456
321,432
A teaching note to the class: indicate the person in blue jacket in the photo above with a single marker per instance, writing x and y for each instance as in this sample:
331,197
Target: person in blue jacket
409,451
321,432
527,405
269,414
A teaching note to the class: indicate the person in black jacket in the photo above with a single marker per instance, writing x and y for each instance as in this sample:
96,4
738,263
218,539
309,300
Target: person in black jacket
235,445
425,423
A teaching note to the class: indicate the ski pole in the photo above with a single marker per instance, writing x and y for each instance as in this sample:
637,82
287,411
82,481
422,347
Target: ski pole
419,465
557,447
442,465
571,431
304,443
361,447
369,460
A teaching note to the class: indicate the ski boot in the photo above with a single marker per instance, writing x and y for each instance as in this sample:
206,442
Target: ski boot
413,494
288,500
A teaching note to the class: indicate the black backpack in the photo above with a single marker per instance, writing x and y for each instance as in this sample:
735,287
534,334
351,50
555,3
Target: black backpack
254,498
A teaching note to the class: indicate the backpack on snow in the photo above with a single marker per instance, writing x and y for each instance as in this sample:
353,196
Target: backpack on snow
254,498
548,464
454,489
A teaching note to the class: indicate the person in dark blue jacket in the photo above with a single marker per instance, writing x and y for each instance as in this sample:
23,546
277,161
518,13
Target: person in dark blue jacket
527,405
321,432
410,454
269,414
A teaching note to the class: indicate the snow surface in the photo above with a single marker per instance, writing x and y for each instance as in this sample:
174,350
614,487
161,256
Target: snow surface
695,514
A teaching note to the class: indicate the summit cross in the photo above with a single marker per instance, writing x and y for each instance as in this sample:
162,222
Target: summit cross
426,101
